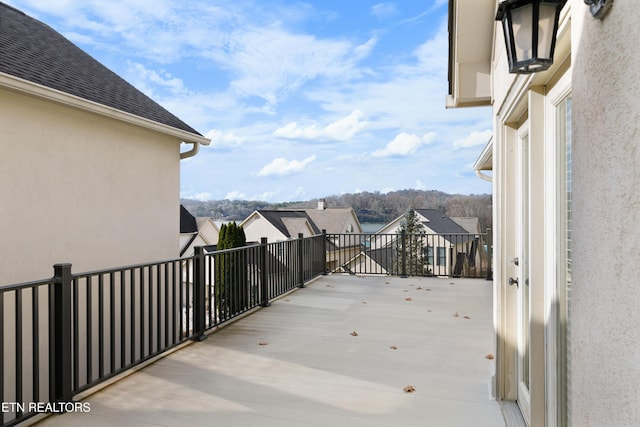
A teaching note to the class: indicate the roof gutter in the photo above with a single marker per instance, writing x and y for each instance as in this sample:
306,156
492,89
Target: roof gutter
484,161
44,92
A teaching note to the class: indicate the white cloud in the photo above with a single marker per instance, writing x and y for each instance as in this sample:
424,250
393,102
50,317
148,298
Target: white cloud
224,139
342,130
383,10
235,195
404,144
203,197
282,166
474,139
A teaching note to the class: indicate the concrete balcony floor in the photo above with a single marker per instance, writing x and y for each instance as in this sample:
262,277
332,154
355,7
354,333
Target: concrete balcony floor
299,363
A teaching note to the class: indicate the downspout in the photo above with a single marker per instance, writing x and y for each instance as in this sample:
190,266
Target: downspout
192,152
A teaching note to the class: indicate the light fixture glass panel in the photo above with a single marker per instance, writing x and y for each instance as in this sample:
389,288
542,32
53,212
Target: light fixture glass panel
521,19
545,29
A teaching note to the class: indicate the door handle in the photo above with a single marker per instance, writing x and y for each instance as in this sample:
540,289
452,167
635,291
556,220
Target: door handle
513,281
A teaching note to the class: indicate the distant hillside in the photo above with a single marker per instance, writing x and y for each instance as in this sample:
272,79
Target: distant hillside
370,207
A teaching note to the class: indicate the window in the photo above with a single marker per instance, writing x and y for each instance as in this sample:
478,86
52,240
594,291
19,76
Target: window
428,254
442,256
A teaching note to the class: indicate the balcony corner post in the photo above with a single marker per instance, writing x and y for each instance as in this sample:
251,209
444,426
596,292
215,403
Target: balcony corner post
301,260
199,311
324,252
60,331
264,286
403,243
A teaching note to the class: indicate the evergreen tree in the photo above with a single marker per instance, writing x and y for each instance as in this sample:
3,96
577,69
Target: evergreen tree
232,288
414,250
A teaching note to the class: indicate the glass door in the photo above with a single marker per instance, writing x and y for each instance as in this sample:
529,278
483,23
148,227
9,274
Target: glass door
522,263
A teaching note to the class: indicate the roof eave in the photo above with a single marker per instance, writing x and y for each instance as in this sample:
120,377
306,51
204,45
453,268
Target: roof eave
54,95
471,27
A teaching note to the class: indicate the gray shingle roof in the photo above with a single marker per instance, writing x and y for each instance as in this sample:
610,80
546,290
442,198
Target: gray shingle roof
33,51
279,218
440,223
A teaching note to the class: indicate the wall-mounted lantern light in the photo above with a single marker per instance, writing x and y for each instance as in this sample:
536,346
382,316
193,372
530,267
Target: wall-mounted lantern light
530,28
599,8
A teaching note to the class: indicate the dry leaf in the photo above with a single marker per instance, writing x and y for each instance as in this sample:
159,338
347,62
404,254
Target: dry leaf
409,389
263,343
489,356
364,302
456,314
418,288
429,311
451,283
428,289
467,317
386,283
393,347
354,334
408,299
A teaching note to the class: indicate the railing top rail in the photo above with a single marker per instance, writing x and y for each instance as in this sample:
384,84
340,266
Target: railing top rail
32,284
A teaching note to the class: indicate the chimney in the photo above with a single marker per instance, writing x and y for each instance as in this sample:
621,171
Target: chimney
322,204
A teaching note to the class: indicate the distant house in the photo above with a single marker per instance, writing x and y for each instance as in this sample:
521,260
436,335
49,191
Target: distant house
335,220
196,232
278,225
343,228
448,246
90,166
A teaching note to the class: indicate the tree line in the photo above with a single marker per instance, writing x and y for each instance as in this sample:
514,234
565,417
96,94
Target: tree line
369,206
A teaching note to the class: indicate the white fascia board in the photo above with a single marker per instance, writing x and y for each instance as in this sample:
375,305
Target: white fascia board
54,95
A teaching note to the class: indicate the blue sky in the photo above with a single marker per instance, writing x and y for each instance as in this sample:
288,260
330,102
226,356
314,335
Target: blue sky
301,99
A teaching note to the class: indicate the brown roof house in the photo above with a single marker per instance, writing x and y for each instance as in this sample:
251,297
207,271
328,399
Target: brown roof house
90,170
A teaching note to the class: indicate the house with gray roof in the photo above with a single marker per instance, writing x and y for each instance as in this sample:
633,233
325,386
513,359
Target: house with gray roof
90,171
448,247
278,225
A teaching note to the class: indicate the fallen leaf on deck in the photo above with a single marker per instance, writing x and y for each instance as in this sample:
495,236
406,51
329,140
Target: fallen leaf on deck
451,283
408,299
489,356
418,288
386,283
364,302
354,334
263,343
456,314
409,389
429,311
467,317
428,289
393,347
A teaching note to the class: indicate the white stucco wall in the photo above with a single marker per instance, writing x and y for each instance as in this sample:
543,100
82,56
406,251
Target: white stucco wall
76,187
605,303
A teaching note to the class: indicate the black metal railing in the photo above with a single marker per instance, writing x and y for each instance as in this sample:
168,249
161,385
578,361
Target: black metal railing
402,254
63,335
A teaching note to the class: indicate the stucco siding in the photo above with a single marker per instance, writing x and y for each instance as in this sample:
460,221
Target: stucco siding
605,320
79,188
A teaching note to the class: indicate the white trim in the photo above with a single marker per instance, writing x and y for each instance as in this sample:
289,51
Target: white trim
44,92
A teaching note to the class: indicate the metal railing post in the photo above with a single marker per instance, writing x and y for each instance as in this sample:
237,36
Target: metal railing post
264,286
199,311
403,243
300,260
324,252
60,332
